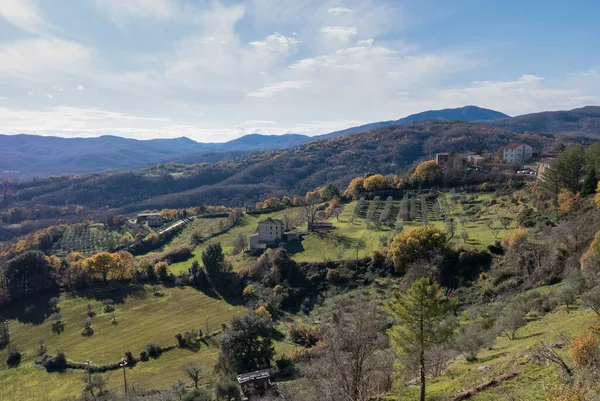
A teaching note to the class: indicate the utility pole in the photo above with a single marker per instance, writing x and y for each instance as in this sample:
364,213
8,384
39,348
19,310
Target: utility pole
123,364
87,364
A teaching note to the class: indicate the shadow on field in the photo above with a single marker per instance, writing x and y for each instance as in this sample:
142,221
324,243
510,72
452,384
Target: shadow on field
117,292
294,247
31,312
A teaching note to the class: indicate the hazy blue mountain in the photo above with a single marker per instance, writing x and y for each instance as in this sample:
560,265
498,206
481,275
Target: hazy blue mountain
35,155
467,113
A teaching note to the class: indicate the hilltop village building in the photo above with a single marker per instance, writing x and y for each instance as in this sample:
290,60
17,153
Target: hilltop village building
517,153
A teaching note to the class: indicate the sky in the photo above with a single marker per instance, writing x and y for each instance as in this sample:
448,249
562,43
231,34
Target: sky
216,70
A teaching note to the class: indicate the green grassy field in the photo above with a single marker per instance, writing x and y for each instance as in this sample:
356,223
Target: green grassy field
142,318
351,230
507,356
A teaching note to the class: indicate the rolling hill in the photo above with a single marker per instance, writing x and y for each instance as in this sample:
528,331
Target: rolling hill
467,113
235,182
27,156
584,121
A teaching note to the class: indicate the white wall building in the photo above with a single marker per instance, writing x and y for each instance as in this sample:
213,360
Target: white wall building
270,231
517,153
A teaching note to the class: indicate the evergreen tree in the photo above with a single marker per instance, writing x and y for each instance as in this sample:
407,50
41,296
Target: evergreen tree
590,182
565,172
213,259
421,313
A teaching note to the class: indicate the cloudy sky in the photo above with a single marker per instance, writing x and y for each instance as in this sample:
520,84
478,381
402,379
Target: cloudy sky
216,70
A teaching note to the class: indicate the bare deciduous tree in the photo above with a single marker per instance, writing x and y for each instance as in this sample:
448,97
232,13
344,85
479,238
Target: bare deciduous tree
356,363
192,370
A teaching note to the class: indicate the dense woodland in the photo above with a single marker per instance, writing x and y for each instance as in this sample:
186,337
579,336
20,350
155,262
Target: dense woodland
389,150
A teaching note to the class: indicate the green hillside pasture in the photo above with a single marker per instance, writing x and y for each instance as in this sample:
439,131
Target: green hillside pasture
246,226
142,318
480,235
507,356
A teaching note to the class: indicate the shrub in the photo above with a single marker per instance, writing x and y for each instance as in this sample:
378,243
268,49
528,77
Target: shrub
261,310
14,356
108,305
153,350
199,395
90,311
162,271
131,361
158,290
227,389
304,334
86,328
57,362
584,350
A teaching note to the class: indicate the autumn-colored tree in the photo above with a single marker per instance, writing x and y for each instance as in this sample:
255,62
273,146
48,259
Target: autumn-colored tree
514,237
334,208
272,203
597,197
375,182
415,244
585,350
566,392
102,264
262,311
426,172
356,188
567,200
125,266
590,260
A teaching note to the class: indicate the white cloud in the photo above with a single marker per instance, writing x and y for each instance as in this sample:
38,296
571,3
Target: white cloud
259,122
273,89
33,58
80,88
525,94
24,14
275,43
340,10
30,93
339,32
58,88
151,9
50,96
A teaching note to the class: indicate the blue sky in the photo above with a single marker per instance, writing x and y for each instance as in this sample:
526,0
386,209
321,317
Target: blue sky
216,70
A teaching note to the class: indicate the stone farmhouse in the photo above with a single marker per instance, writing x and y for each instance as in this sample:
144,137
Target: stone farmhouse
517,153
153,219
269,232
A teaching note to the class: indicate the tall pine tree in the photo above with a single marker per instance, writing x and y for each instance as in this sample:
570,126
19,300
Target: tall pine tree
421,313
590,182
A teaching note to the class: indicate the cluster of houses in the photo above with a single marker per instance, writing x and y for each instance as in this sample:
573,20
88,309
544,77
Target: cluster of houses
517,157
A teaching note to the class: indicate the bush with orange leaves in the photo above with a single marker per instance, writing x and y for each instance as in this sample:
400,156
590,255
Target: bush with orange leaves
566,392
584,350
514,237
590,260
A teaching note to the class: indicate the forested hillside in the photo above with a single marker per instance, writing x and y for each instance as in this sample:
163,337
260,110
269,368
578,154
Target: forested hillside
583,122
238,181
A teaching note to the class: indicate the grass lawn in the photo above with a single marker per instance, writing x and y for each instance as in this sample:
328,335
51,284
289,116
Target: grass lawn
340,243
506,356
142,318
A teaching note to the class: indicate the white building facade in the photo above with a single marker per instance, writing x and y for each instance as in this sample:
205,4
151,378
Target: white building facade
517,153
270,231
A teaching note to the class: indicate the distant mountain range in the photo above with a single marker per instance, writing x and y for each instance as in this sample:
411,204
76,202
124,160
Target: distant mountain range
26,156
467,113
